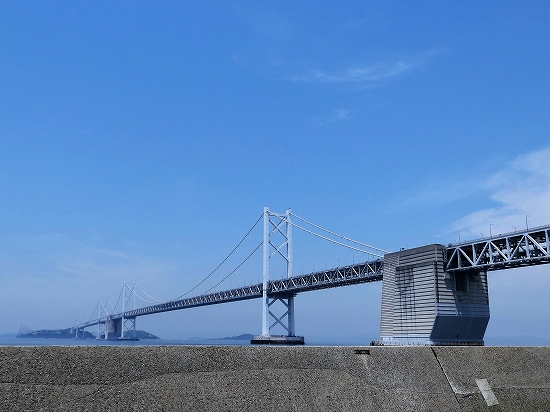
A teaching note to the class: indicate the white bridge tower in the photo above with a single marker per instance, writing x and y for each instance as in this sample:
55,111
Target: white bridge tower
277,226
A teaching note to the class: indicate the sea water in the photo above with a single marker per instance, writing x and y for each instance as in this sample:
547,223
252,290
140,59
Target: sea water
160,342
94,342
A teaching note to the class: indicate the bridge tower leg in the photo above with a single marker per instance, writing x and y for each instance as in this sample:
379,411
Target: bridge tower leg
129,329
100,330
76,329
79,333
101,326
277,224
128,325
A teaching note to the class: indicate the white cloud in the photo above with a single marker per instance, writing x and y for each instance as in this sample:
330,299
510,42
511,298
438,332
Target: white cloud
366,74
522,189
341,114
337,115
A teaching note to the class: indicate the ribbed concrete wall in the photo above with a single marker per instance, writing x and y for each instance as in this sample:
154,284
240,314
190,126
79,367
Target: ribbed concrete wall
233,378
422,304
409,293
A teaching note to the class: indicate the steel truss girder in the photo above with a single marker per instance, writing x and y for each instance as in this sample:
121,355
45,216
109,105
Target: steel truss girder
347,275
243,293
522,248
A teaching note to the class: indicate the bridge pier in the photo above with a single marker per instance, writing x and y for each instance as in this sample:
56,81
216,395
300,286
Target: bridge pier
120,329
424,305
113,328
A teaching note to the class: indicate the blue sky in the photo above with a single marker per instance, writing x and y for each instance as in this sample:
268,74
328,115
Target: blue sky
139,141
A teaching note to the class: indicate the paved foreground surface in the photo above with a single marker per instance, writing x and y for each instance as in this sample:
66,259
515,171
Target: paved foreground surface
230,378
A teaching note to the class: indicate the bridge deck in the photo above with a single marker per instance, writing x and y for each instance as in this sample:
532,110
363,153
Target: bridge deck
365,272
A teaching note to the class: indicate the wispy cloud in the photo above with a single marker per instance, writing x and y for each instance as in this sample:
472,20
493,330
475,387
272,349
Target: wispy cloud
68,277
336,116
375,72
341,114
439,192
365,74
58,259
522,190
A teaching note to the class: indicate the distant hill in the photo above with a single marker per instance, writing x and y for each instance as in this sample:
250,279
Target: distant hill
52,334
244,336
141,335
67,334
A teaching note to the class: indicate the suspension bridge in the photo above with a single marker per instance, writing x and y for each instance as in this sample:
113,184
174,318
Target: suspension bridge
432,294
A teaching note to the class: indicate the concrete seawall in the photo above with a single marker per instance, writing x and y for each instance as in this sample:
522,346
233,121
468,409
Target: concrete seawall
221,378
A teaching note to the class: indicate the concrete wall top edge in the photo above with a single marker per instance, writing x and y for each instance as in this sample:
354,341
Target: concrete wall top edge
417,250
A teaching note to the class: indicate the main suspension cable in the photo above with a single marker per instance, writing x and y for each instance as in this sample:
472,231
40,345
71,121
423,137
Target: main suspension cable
112,307
104,303
134,293
234,270
146,294
335,241
93,314
223,261
118,300
340,236
155,301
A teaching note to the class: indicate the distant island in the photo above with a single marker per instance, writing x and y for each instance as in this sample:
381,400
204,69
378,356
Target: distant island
52,334
141,335
244,336
69,334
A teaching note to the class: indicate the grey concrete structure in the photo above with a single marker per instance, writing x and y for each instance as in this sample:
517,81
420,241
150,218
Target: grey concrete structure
113,328
423,304
203,378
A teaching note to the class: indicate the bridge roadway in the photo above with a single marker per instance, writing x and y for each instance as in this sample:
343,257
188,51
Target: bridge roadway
365,272
520,248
